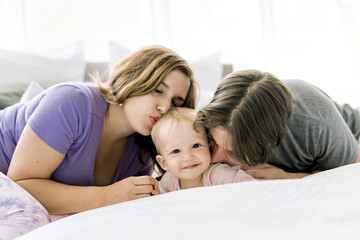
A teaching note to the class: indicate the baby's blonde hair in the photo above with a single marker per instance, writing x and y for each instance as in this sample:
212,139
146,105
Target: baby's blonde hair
175,115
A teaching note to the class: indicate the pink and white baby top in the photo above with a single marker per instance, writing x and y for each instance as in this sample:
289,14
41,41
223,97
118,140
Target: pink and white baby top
216,174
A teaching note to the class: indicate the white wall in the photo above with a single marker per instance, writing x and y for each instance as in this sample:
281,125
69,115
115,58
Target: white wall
314,40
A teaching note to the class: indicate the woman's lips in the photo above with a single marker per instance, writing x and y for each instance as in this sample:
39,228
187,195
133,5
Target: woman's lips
153,120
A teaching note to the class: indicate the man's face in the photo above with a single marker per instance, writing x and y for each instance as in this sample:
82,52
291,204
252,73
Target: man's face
220,145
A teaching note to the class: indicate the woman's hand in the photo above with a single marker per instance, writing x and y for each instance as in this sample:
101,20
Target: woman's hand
267,172
131,188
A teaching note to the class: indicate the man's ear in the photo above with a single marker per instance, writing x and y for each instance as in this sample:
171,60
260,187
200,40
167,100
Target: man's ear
162,162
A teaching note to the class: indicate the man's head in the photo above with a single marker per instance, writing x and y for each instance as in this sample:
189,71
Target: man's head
247,117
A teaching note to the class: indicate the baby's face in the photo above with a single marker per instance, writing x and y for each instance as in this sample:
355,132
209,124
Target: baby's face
185,151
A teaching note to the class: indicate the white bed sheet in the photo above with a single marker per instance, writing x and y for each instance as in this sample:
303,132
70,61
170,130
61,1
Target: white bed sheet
322,206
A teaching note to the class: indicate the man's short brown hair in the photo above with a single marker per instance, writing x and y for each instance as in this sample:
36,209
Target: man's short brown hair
253,107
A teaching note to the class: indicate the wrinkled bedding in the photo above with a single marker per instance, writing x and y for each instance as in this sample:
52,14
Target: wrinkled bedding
20,213
321,206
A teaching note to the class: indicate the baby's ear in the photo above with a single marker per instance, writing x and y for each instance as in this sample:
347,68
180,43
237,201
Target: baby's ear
162,162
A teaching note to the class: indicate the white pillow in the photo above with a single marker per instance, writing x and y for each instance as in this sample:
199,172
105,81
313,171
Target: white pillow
32,90
205,97
207,70
19,69
117,53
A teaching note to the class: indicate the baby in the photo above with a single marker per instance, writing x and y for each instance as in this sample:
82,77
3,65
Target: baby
185,154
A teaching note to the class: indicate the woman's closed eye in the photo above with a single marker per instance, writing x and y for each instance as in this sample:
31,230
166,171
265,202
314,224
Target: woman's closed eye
173,103
177,102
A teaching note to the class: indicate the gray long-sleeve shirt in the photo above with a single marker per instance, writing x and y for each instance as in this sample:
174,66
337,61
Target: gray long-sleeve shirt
320,134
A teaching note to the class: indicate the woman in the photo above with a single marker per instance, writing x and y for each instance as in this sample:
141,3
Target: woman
78,146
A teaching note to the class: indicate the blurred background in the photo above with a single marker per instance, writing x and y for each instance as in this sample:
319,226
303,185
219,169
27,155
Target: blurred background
314,40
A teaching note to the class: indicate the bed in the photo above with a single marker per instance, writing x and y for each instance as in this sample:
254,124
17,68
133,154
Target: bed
321,206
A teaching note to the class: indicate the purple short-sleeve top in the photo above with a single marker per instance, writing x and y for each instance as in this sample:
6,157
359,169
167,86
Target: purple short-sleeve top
69,118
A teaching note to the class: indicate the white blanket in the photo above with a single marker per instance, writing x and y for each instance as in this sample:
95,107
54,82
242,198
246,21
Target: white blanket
322,206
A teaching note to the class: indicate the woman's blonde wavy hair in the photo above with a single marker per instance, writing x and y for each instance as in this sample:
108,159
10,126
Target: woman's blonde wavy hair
142,72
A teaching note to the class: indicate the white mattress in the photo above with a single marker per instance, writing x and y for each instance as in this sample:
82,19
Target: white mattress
322,206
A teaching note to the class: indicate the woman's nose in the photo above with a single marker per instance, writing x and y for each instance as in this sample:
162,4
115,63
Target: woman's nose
164,107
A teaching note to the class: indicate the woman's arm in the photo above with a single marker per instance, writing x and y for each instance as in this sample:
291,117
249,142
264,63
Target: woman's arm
33,163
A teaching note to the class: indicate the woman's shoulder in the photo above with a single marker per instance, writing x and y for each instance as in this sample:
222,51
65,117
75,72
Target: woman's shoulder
79,94
75,89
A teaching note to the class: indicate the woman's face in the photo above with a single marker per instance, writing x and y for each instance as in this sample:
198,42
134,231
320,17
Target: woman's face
143,111
219,146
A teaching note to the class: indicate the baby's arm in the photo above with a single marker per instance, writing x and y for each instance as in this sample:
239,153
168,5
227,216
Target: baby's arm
168,183
222,173
242,176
